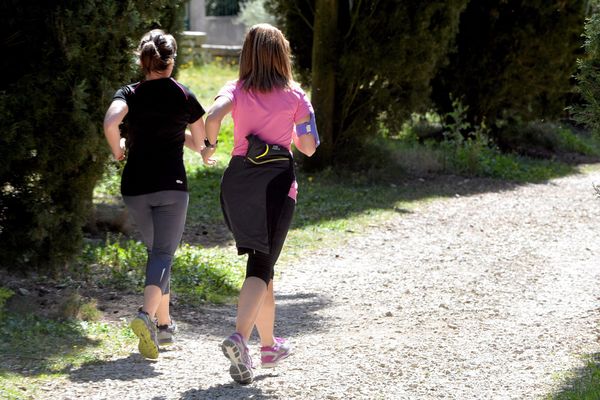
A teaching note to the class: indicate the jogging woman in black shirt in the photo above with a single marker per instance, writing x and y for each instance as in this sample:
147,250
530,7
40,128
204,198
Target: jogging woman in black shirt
154,183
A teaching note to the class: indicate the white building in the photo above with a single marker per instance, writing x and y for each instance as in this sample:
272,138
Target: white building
220,31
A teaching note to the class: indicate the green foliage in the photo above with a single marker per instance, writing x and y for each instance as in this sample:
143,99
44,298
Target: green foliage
36,350
543,140
206,275
206,80
88,311
121,264
36,346
253,12
588,77
295,18
110,182
66,60
197,275
387,52
465,149
582,384
513,58
222,7
5,294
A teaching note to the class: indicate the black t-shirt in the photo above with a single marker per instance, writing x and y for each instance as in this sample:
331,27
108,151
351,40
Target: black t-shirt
159,112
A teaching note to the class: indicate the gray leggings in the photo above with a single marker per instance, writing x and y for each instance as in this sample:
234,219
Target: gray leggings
160,218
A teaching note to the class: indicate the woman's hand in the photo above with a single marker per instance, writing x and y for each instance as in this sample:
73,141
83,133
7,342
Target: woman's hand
207,153
119,154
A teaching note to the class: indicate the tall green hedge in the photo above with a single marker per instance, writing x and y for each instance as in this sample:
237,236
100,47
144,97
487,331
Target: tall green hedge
588,77
62,61
513,59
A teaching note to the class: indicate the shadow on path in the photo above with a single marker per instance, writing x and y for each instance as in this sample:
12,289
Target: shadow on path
231,391
124,369
325,197
219,320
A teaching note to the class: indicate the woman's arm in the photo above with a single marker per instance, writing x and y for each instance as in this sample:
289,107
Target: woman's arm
113,118
305,143
195,139
220,108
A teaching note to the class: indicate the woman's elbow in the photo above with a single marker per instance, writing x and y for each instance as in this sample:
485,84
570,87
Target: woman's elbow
307,150
213,116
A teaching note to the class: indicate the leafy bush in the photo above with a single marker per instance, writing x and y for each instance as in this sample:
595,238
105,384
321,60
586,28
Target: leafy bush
253,12
197,275
464,148
5,294
513,58
384,55
222,7
66,60
121,264
588,77
202,274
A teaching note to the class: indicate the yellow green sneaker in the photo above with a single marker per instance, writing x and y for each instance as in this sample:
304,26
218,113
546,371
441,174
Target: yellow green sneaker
166,333
145,330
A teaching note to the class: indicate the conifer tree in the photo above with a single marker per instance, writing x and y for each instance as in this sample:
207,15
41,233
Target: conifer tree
62,61
513,59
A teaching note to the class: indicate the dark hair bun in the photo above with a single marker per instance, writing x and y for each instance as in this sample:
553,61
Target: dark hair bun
157,50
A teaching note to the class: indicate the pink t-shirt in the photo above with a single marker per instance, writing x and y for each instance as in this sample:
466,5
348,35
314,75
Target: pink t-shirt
271,116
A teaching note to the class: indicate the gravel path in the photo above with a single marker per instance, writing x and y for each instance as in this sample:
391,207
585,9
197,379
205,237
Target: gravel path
485,296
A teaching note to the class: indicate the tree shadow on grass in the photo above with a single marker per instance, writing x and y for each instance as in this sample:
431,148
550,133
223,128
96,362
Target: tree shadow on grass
31,345
327,196
583,383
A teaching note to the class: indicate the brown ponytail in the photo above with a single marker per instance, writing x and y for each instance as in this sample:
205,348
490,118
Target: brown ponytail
157,50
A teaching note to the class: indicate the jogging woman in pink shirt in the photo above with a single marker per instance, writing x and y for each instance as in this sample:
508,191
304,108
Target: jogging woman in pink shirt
258,190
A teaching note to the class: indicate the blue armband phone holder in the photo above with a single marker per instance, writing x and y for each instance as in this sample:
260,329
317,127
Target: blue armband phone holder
309,128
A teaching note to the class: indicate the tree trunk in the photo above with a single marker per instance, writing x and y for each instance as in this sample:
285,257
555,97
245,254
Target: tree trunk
324,59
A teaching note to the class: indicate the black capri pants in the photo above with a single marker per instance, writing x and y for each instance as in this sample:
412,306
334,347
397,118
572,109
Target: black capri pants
262,265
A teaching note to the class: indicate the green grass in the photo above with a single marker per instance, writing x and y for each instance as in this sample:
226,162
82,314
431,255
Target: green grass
582,384
198,274
38,350
207,80
479,158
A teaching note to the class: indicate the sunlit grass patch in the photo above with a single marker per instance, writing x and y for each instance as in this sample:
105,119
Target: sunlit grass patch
37,350
583,384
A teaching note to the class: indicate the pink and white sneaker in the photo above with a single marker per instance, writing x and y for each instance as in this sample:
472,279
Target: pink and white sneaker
271,355
236,351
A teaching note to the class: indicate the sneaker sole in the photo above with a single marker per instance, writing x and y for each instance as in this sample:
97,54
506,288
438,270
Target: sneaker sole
147,347
239,371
